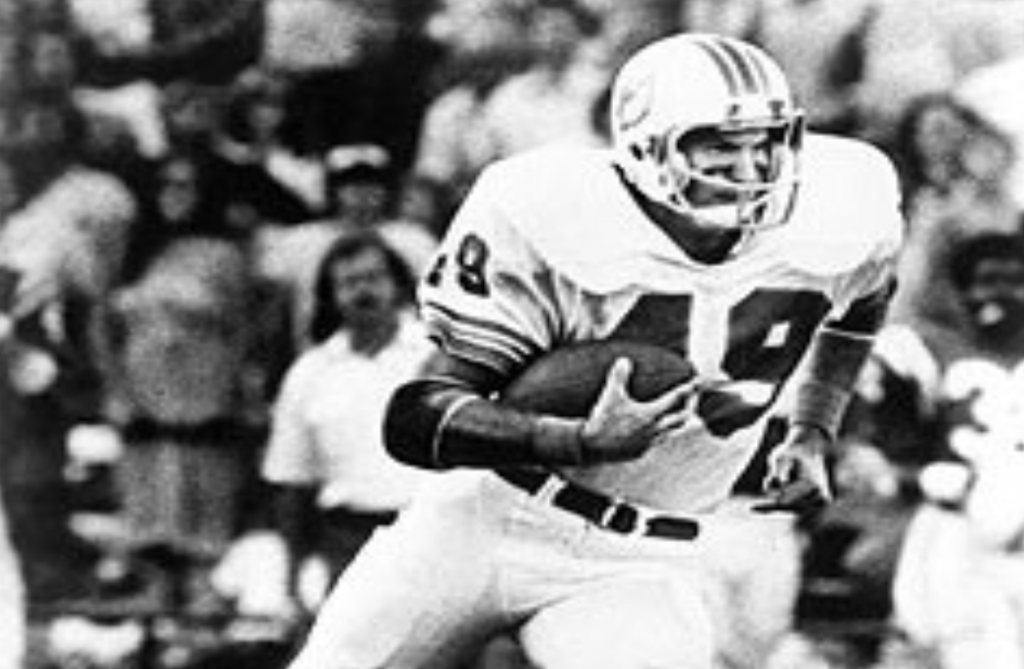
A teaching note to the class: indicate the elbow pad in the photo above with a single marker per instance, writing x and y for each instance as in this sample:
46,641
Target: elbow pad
415,417
440,423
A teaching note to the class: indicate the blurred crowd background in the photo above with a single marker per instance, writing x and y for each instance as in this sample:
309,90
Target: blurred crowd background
188,188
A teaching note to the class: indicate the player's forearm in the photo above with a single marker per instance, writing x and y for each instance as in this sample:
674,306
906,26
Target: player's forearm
835,360
439,424
826,387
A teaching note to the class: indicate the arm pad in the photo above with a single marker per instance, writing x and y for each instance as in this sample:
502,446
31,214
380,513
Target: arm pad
832,371
839,352
439,423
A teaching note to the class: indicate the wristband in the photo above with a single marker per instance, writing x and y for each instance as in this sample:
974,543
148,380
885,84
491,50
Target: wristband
821,405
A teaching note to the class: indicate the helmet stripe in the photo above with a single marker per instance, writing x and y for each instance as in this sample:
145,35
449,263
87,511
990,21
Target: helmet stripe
725,65
745,65
758,65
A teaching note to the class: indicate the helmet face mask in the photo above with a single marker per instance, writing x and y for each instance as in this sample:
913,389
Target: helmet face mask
731,178
706,126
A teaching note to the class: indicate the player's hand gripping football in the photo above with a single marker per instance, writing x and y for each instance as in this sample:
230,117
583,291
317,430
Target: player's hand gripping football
797,479
621,427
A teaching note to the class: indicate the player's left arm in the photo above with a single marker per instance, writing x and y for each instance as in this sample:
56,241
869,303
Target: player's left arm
798,478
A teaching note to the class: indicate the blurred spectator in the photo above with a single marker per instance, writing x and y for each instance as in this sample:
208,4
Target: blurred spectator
180,200
246,194
48,384
69,228
485,44
194,39
193,342
328,49
308,36
325,451
552,99
992,92
192,114
405,81
518,75
916,47
957,583
822,44
62,236
359,69
361,184
927,144
956,173
365,191
362,194
129,50
253,135
75,218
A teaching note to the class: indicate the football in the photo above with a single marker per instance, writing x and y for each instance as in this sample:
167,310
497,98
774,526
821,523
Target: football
567,381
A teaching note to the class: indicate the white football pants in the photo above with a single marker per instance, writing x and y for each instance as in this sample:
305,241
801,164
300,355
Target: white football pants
474,555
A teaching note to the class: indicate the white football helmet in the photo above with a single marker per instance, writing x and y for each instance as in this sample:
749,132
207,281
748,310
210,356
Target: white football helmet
689,82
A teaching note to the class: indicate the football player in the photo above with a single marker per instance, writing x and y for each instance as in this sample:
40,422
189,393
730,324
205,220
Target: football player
712,226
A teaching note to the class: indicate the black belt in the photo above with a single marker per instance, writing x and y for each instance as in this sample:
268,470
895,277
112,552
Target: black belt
601,510
342,517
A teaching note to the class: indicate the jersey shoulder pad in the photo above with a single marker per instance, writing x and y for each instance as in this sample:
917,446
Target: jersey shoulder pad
848,208
568,204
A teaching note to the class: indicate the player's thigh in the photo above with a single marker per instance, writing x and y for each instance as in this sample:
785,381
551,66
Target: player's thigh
650,623
416,597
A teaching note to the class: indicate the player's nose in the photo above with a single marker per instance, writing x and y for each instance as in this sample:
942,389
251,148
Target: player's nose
745,165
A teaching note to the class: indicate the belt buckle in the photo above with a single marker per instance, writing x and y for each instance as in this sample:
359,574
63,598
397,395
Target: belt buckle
641,518
637,518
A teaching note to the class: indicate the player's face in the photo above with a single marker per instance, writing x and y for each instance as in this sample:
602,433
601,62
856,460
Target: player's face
995,297
723,175
724,165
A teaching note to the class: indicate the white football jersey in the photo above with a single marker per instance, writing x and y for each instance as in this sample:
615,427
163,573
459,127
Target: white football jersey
549,248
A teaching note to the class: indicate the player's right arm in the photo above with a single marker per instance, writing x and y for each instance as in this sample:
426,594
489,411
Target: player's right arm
492,303
446,418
